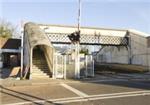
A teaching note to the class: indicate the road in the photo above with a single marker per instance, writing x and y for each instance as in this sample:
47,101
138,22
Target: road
95,92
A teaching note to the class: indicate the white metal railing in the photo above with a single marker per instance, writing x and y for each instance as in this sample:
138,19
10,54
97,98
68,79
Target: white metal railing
89,64
59,68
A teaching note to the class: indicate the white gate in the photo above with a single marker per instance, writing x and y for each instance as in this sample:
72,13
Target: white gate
59,68
89,63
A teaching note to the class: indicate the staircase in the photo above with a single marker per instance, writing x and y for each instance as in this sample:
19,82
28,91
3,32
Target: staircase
40,68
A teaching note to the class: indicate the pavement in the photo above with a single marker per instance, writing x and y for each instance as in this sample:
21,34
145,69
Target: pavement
106,89
106,76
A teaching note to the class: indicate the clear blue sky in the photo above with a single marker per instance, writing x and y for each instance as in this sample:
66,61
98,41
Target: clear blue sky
126,14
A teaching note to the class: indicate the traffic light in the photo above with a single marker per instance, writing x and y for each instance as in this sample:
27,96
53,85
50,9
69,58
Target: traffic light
75,37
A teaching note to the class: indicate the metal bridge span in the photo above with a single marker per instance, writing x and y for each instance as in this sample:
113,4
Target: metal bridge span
89,36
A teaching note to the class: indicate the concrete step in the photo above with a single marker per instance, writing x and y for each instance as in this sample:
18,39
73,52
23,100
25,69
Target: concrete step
38,59
39,70
40,77
42,65
39,67
42,70
40,74
39,63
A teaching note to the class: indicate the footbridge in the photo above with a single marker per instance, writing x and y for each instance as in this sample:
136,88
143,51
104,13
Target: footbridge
39,59
58,34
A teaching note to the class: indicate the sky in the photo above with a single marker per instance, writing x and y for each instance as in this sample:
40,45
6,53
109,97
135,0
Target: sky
121,14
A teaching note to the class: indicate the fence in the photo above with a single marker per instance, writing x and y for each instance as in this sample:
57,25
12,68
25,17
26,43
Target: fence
64,66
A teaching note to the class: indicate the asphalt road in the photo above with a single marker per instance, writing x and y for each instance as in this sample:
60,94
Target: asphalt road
95,92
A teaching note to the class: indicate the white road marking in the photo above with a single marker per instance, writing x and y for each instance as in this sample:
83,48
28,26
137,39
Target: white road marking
90,97
70,98
81,94
94,81
26,102
120,96
122,93
105,96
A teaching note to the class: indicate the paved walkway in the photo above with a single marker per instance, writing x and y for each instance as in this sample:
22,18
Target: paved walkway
102,77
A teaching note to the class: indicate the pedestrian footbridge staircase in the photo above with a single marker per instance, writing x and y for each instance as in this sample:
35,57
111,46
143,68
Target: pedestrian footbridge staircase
39,67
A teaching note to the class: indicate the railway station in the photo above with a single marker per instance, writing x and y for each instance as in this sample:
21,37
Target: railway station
50,51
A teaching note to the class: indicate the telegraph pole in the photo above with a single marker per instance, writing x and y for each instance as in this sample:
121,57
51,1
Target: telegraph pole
77,45
75,39
79,14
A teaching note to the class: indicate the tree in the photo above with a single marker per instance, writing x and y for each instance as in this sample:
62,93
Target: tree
6,29
84,50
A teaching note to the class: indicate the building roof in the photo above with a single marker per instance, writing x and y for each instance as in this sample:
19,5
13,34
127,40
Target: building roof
10,43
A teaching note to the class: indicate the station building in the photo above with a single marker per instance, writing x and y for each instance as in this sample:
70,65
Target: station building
9,52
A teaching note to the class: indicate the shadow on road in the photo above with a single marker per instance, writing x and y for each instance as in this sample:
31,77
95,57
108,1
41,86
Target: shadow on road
26,97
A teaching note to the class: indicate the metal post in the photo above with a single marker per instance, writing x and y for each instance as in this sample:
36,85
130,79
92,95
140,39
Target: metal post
86,72
64,66
56,66
130,50
53,75
77,62
148,60
1,61
31,56
22,33
93,66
